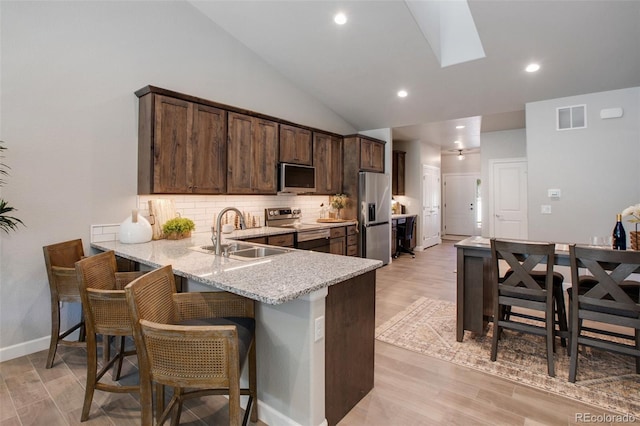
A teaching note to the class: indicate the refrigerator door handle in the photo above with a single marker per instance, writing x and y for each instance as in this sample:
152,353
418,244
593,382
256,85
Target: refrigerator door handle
370,225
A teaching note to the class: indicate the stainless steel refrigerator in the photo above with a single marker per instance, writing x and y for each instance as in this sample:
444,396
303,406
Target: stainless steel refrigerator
374,200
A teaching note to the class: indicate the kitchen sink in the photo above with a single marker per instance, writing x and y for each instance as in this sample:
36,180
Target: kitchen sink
242,251
229,247
257,252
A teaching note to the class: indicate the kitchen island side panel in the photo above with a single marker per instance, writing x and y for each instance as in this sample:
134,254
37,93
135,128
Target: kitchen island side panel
350,344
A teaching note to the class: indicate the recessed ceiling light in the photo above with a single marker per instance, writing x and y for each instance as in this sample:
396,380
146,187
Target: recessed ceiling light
460,127
402,93
340,18
532,68
456,141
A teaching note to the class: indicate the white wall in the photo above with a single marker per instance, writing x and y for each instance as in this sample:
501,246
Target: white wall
69,118
597,168
503,144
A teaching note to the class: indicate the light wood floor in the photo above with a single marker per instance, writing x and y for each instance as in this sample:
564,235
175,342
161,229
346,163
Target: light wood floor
410,389
414,389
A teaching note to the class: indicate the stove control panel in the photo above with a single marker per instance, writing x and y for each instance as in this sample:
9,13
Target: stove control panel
275,216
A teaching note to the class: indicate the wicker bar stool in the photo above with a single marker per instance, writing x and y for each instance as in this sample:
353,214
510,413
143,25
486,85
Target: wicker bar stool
195,341
59,259
106,313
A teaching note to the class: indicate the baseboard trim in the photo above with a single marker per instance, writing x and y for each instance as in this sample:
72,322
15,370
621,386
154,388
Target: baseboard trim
24,348
271,416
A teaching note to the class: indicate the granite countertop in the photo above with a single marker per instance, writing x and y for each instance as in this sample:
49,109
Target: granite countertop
272,280
400,216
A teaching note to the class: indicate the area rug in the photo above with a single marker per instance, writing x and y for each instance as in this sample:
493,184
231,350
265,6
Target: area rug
605,380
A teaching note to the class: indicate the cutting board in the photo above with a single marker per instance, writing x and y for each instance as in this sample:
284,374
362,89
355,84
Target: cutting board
160,211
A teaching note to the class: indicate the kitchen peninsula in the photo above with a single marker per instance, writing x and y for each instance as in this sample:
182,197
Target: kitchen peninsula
316,320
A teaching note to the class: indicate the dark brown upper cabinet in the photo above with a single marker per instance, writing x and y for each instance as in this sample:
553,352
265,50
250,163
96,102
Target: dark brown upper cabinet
327,159
371,155
295,145
181,147
252,152
397,174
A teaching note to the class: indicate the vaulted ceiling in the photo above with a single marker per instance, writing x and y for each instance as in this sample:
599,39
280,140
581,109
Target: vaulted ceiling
356,69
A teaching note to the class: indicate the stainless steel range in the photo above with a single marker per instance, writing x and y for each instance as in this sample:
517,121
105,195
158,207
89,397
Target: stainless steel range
308,236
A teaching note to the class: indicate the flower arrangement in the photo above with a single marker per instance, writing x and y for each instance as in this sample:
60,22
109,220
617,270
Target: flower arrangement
338,202
178,227
634,212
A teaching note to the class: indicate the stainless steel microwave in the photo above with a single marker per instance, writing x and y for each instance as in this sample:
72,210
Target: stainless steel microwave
297,178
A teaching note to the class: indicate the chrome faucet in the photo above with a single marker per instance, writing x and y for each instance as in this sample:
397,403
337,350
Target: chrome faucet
216,237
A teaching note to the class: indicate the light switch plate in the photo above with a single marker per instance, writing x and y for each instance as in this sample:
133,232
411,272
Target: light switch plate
554,193
545,209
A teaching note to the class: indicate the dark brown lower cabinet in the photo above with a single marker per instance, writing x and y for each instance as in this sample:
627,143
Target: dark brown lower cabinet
349,346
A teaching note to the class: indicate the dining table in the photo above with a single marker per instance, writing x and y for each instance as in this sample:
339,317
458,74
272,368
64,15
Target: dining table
474,298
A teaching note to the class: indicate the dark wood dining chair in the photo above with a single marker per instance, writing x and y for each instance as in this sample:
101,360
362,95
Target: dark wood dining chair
607,299
196,343
106,313
59,260
517,287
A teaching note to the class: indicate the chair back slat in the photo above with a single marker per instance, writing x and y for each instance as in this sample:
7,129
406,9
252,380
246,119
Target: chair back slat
106,309
522,258
153,295
609,271
64,254
59,260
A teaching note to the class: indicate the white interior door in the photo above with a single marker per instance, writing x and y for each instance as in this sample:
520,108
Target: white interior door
460,214
430,206
509,199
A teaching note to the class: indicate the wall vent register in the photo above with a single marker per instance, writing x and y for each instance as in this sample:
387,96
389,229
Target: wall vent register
571,117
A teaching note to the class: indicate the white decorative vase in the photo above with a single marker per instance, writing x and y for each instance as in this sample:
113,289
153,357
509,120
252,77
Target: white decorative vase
135,229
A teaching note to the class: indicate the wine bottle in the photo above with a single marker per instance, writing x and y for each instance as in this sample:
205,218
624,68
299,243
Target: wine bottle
619,236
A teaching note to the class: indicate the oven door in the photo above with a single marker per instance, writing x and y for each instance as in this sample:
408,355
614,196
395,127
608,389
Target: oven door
314,240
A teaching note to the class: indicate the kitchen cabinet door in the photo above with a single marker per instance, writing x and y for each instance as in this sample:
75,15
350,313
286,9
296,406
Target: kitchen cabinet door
371,155
327,159
295,145
208,151
173,125
284,240
397,173
338,241
181,147
252,148
352,241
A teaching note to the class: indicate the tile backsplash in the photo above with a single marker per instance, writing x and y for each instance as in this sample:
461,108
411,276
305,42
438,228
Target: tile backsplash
204,209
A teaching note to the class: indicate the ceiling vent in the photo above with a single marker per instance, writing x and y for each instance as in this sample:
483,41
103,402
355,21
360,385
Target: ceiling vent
571,117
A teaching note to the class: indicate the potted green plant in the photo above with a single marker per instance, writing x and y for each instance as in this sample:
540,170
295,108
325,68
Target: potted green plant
7,222
177,228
